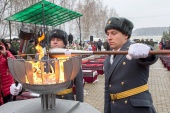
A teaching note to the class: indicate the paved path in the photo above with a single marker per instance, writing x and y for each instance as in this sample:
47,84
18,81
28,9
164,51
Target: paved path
159,86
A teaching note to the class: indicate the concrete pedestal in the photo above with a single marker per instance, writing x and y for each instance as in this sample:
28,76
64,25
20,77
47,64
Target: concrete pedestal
34,106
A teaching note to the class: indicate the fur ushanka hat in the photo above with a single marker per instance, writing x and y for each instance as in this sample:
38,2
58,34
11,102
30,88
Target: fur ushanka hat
121,24
57,33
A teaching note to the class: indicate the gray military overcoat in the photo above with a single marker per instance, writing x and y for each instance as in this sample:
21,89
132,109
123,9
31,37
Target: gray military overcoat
123,75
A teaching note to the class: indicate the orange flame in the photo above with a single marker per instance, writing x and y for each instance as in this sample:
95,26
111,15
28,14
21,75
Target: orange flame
39,48
61,79
39,75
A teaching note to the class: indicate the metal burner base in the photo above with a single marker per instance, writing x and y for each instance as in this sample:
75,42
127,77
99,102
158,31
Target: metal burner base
48,101
34,106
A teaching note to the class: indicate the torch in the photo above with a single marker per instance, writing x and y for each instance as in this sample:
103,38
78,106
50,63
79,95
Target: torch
25,35
59,52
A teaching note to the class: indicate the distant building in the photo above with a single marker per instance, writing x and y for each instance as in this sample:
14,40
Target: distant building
151,31
154,33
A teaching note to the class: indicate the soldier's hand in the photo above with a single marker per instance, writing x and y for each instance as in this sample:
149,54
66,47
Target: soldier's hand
14,90
137,51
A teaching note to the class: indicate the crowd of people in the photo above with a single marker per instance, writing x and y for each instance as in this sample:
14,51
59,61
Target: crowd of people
146,41
164,44
90,45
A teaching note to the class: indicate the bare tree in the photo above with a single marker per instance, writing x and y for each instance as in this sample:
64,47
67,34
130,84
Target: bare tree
3,24
92,22
3,7
94,18
8,8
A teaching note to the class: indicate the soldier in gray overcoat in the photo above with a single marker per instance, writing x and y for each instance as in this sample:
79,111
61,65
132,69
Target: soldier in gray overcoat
126,76
58,39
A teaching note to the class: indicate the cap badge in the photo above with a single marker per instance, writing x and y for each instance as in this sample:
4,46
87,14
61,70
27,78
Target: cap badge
109,22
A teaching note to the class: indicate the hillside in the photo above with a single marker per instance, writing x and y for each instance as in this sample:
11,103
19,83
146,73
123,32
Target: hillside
152,31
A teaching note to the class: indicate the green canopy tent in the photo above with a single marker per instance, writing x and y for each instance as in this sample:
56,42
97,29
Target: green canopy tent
44,13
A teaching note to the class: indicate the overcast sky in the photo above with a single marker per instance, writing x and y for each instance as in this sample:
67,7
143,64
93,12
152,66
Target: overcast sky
143,13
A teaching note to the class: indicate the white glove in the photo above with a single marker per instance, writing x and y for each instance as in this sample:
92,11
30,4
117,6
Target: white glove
15,90
137,51
34,94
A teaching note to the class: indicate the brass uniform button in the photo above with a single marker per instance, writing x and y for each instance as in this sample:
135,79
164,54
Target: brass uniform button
62,96
122,83
126,101
124,63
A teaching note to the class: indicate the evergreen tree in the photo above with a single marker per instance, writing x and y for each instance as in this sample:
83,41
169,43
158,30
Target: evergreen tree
166,34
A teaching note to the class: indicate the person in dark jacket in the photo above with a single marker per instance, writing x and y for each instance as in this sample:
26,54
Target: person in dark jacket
126,76
99,45
70,38
31,48
106,46
15,44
